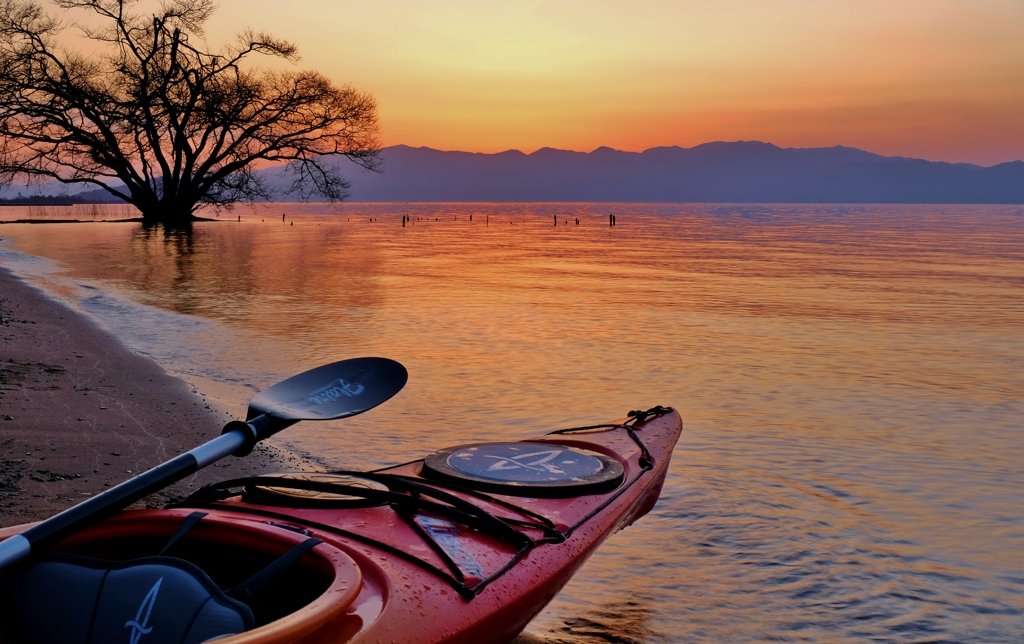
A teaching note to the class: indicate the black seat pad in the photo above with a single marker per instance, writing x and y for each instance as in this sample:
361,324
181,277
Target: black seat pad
66,599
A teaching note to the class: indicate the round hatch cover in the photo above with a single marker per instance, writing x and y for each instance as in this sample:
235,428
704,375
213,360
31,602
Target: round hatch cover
299,497
526,469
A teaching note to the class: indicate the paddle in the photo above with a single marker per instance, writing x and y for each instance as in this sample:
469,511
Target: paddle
336,390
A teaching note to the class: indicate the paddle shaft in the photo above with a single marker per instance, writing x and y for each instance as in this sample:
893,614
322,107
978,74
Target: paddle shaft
116,498
337,390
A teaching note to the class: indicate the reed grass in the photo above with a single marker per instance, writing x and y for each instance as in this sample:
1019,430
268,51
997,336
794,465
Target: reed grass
79,212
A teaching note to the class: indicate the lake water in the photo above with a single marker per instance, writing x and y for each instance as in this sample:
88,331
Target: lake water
850,378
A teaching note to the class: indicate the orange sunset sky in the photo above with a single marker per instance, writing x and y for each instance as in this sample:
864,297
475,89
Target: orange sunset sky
937,79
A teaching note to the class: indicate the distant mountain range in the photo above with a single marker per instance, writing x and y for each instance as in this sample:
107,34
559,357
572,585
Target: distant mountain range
53,193
738,172
745,171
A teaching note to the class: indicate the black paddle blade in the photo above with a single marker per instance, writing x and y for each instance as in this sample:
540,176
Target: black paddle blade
335,390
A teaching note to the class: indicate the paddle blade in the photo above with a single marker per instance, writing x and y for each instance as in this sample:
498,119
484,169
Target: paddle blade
336,390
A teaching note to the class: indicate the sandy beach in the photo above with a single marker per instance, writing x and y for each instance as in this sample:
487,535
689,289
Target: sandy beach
80,413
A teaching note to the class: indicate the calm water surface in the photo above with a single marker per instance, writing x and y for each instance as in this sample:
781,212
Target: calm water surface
850,378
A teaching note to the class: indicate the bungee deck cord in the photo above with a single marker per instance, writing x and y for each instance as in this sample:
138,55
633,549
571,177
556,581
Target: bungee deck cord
408,495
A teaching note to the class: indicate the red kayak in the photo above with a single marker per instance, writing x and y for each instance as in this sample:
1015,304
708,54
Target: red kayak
466,545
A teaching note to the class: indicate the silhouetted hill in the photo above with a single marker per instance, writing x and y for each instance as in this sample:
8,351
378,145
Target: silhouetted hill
745,171
53,193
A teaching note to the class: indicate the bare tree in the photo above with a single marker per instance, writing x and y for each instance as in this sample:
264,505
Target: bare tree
178,126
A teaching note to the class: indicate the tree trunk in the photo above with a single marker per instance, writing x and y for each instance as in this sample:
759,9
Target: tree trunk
170,213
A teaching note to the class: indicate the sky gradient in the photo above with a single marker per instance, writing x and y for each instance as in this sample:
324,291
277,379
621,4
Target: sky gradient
935,79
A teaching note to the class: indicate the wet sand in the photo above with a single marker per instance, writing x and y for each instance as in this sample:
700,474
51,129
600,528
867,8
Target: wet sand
80,413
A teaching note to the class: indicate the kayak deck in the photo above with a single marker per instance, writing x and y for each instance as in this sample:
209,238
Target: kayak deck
407,556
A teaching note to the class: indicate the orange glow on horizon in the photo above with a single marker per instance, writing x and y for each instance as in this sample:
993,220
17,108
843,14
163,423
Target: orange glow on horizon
938,79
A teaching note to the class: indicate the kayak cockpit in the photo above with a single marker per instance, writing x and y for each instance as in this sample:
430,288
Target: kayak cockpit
153,574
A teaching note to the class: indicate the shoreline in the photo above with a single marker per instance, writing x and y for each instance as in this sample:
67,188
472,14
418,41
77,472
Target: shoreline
86,409
87,413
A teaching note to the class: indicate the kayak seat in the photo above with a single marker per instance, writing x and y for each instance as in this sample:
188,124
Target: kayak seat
71,599
68,599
